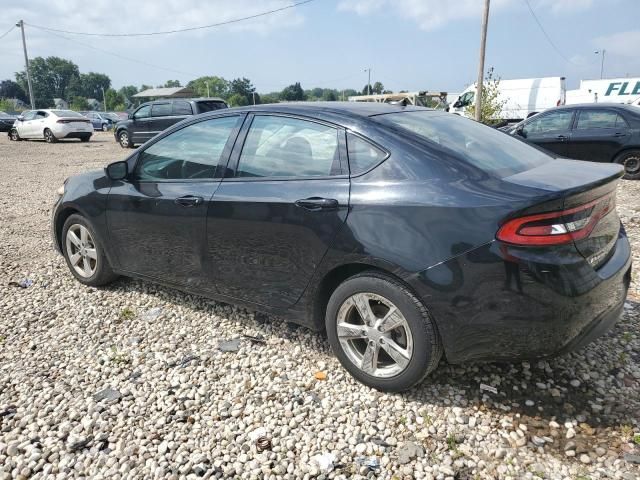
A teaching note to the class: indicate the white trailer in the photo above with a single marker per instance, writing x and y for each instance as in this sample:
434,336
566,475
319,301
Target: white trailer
614,90
522,97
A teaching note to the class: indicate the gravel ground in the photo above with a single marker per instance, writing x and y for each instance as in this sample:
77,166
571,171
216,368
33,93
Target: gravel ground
132,381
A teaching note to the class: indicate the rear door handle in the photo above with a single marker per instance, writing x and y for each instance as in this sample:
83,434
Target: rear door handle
188,201
619,134
315,204
562,137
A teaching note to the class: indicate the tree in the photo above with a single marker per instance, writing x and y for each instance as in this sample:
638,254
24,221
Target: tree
243,87
115,100
269,98
50,78
492,105
237,100
144,87
10,89
293,92
330,95
377,88
79,103
172,83
217,86
89,85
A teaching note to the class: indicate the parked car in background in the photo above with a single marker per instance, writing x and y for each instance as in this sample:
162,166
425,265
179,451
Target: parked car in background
99,120
114,117
51,125
404,232
151,118
6,121
522,97
602,132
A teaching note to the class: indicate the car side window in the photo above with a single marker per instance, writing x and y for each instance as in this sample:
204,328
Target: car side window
549,122
589,119
289,147
192,152
363,155
143,112
181,107
41,115
161,109
29,115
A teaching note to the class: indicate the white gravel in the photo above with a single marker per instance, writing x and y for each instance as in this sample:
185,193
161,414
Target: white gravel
129,381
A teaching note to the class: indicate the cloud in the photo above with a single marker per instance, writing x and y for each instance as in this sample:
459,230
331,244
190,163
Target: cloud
433,14
624,44
119,16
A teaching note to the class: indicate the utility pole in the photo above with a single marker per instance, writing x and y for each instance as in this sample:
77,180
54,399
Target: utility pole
26,63
104,98
369,80
483,45
254,97
207,84
602,52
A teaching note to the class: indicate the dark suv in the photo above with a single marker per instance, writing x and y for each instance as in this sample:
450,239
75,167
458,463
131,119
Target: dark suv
152,118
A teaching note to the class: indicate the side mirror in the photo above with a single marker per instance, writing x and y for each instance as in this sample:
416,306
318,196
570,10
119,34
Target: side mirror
520,131
457,104
117,170
20,118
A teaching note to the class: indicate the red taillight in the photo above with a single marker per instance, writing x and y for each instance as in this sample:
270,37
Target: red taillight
556,228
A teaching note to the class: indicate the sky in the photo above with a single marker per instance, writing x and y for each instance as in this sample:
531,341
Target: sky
408,44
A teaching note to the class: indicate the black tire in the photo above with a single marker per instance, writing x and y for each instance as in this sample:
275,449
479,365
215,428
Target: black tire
427,346
14,136
630,160
49,137
85,139
124,139
103,273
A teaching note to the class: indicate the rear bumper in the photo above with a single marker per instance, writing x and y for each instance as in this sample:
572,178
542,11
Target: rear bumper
492,304
64,131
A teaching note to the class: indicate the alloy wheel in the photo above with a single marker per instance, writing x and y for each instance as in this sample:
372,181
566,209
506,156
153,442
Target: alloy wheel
374,334
14,135
81,250
124,139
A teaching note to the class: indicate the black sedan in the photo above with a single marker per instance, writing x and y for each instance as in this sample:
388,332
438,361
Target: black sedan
596,132
6,121
404,232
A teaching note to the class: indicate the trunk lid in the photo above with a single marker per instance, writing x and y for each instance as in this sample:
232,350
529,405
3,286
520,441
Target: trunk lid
584,190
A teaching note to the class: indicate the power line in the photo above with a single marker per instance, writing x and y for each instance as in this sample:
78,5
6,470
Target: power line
7,32
167,32
545,33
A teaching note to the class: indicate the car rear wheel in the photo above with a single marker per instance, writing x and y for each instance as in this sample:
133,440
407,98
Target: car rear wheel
84,253
631,162
124,140
49,137
85,138
13,135
381,333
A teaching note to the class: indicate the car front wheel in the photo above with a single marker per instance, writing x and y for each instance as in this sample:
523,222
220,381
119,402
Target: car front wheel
13,135
84,253
105,127
381,333
630,160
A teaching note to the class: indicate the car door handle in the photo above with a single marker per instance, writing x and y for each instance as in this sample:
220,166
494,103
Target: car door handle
619,134
562,137
188,201
315,204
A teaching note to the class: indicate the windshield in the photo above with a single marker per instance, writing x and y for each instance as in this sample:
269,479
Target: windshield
111,116
65,113
490,150
4,115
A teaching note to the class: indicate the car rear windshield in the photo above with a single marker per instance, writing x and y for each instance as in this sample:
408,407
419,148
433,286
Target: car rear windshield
492,151
208,106
66,113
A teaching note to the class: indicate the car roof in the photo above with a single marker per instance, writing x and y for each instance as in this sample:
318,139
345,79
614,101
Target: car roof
353,109
599,105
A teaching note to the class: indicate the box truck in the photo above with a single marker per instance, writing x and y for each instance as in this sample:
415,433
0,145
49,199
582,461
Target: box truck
613,90
522,97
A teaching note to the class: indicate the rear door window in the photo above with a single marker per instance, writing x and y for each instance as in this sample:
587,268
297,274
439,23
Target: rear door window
590,119
289,147
182,108
161,109
209,106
